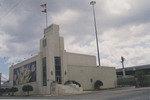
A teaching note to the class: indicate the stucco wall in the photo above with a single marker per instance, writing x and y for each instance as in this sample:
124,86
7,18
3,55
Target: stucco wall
84,75
80,59
82,68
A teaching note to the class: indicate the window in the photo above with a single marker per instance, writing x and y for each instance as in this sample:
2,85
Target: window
44,43
44,71
58,69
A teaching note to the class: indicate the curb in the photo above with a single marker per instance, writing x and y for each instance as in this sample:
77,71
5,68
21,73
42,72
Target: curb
90,92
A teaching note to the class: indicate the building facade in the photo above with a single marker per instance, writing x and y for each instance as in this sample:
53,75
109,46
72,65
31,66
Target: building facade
53,63
130,71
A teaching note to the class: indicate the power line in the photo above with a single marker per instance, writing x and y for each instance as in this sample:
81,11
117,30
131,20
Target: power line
11,9
4,77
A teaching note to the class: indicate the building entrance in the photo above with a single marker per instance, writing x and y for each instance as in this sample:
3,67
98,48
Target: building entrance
58,70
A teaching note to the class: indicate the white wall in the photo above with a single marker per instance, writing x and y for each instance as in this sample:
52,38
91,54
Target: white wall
82,68
80,59
84,74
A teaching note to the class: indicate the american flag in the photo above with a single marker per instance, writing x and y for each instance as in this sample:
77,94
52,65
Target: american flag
43,5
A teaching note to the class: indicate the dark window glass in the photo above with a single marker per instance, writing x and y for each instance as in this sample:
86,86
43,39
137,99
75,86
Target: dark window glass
58,70
44,71
58,73
44,43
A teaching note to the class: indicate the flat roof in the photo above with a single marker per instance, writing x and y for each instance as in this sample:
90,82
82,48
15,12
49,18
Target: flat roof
134,68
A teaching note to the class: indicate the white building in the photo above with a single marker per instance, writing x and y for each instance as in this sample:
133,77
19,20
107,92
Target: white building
53,63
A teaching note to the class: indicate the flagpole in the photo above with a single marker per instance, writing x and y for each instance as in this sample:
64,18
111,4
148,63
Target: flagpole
45,11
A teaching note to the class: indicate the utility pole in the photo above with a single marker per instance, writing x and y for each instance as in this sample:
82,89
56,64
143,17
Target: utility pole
93,3
123,69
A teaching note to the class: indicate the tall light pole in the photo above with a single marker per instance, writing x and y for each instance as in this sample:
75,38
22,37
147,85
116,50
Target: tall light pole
0,80
93,3
123,69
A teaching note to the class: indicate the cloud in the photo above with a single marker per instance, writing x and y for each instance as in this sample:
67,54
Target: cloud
3,41
123,29
65,17
129,41
116,7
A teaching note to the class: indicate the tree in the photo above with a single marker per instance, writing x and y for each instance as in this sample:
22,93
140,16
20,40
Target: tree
98,84
13,90
140,77
27,88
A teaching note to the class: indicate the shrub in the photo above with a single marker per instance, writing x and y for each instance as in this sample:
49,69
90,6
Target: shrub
140,77
72,82
7,90
98,84
2,91
13,90
27,88
127,81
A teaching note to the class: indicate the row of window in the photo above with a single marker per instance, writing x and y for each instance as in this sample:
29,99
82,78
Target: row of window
57,70
44,71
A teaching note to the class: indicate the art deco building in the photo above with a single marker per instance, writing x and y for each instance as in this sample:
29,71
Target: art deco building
53,63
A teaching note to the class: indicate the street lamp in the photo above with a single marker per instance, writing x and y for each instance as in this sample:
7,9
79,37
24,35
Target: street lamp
93,3
122,61
0,80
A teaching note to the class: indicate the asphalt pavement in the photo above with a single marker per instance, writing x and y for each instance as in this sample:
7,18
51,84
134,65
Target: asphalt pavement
113,94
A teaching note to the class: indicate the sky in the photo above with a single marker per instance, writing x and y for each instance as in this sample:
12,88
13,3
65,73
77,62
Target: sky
123,28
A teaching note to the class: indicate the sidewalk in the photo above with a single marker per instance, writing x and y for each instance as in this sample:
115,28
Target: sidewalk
91,92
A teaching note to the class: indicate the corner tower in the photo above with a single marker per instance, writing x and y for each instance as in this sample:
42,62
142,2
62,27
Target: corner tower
51,56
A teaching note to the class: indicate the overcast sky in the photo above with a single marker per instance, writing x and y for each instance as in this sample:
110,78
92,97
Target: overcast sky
123,29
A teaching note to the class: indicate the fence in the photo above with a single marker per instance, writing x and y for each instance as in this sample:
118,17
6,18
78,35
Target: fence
131,81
